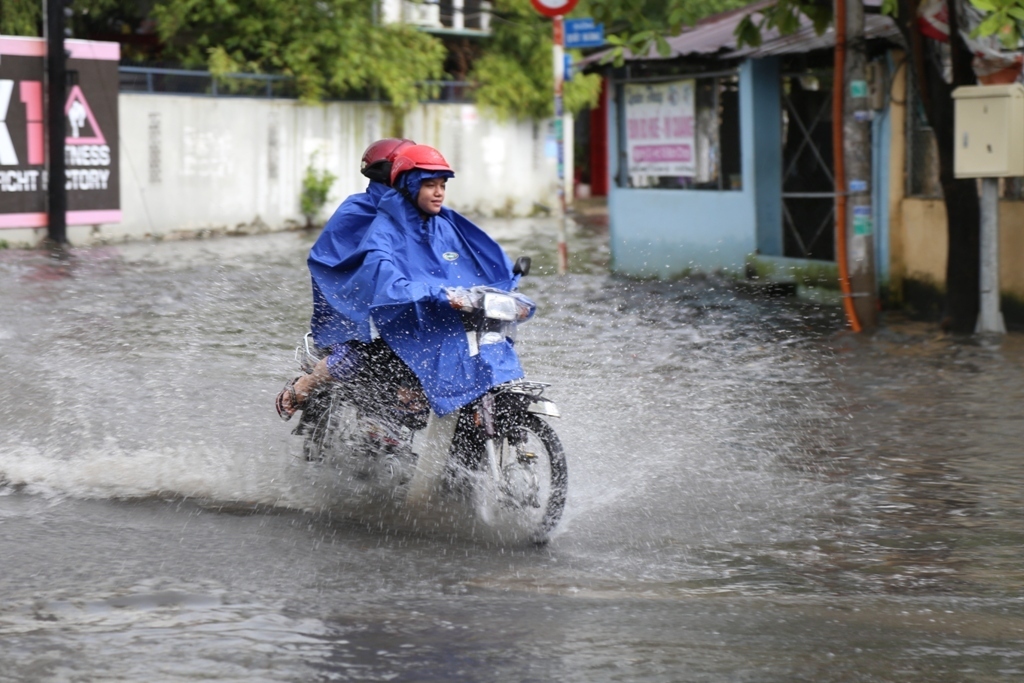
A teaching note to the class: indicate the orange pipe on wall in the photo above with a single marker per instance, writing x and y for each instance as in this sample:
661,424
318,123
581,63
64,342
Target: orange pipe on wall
839,162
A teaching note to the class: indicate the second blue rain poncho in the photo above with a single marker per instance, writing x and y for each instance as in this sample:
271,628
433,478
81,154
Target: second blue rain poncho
397,276
337,243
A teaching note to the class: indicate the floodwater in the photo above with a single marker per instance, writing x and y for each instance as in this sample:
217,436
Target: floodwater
755,495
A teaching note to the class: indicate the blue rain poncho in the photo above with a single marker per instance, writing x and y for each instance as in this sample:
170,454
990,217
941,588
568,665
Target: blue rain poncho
394,282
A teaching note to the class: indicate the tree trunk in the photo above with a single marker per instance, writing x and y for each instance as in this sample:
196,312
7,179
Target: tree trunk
961,196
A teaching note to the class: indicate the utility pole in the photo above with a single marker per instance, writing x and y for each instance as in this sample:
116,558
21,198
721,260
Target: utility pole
989,144
857,115
56,94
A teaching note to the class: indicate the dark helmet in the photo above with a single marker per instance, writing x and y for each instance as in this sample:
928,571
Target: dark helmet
376,164
418,156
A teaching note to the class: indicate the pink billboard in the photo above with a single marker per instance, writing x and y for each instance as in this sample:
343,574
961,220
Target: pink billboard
92,175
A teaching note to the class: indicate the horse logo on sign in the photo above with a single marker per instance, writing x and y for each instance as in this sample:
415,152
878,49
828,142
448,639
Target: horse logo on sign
79,115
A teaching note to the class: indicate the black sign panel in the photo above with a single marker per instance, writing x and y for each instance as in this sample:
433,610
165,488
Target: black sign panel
91,133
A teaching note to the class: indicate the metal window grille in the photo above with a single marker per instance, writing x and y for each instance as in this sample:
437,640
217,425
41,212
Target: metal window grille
808,180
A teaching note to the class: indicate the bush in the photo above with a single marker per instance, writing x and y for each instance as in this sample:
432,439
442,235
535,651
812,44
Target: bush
315,188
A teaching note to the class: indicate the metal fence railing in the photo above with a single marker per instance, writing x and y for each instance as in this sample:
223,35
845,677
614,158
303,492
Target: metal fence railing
185,81
449,91
146,79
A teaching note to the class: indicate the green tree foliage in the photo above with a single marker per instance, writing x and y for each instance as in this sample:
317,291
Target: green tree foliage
335,48
25,17
514,74
20,17
784,15
1005,19
330,47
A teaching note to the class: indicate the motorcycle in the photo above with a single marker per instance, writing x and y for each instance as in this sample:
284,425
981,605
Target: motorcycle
498,453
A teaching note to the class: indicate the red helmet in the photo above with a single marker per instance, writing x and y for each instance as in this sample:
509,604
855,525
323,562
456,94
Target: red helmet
376,164
418,156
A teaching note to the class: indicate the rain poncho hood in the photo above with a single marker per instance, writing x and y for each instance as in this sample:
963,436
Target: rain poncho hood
338,241
394,283
344,231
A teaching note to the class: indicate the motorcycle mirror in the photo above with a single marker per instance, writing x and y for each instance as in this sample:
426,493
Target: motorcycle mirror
522,266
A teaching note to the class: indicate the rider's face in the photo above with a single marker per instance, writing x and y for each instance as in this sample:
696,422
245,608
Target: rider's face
431,195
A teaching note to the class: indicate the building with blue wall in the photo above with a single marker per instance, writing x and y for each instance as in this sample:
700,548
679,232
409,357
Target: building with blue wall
769,197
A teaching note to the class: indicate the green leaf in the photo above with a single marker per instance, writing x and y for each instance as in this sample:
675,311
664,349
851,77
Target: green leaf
1009,36
820,16
984,5
747,33
664,49
789,23
992,24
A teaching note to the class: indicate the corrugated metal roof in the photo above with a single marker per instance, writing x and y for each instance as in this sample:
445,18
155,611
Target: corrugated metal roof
716,35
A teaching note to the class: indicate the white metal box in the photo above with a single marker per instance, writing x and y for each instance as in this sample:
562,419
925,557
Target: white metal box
989,124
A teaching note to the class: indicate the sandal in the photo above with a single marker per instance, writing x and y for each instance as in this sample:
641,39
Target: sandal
294,404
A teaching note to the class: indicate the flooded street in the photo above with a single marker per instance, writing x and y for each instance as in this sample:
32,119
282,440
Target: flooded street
754,494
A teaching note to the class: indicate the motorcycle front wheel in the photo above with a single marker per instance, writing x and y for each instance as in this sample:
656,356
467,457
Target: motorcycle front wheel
533,478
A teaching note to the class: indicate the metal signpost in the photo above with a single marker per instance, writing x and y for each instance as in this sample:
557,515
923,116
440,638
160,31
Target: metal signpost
56,92
555,9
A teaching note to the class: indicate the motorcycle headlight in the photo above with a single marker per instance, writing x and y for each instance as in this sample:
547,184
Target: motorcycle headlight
500,307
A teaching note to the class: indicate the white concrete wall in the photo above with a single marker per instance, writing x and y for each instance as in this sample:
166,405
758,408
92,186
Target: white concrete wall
206,163
499,167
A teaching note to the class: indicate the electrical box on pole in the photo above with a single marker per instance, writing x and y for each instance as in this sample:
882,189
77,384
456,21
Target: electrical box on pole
989,144
989,131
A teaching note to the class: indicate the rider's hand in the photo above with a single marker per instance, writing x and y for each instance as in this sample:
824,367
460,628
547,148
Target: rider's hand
459,302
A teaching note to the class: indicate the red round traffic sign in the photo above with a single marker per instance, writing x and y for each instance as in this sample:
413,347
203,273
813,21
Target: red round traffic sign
553,8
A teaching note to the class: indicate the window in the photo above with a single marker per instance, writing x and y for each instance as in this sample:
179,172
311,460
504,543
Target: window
681,134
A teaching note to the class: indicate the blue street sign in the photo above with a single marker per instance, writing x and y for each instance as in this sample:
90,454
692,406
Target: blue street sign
583,33
568,67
